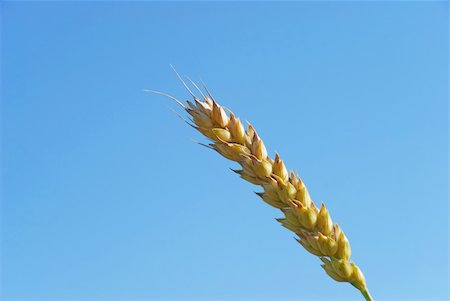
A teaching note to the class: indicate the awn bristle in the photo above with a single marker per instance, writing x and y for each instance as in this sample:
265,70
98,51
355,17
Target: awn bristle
284,190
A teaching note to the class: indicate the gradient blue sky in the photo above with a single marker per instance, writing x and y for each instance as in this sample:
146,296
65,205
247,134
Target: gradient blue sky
105,197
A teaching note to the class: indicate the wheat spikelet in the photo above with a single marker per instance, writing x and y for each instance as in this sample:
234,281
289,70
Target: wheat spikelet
284,190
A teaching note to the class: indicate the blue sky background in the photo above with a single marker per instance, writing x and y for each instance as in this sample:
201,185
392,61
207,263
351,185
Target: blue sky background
105,197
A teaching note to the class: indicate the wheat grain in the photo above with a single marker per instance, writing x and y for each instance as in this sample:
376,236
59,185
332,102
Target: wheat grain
284,190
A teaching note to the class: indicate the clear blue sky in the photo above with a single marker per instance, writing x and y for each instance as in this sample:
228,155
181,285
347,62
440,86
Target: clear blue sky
105,197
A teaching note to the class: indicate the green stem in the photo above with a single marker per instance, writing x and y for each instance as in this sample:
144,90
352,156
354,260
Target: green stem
367,295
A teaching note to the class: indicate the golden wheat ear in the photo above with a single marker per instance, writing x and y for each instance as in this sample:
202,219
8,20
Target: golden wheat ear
284,190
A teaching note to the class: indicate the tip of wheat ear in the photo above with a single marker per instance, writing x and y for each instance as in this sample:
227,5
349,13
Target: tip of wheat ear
314,228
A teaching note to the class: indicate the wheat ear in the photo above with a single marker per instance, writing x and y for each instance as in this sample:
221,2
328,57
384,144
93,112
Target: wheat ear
285,191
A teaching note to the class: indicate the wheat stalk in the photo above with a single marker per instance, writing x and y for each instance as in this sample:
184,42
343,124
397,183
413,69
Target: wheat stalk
281,189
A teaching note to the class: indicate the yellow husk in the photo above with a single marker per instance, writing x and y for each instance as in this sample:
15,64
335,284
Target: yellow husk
315,230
